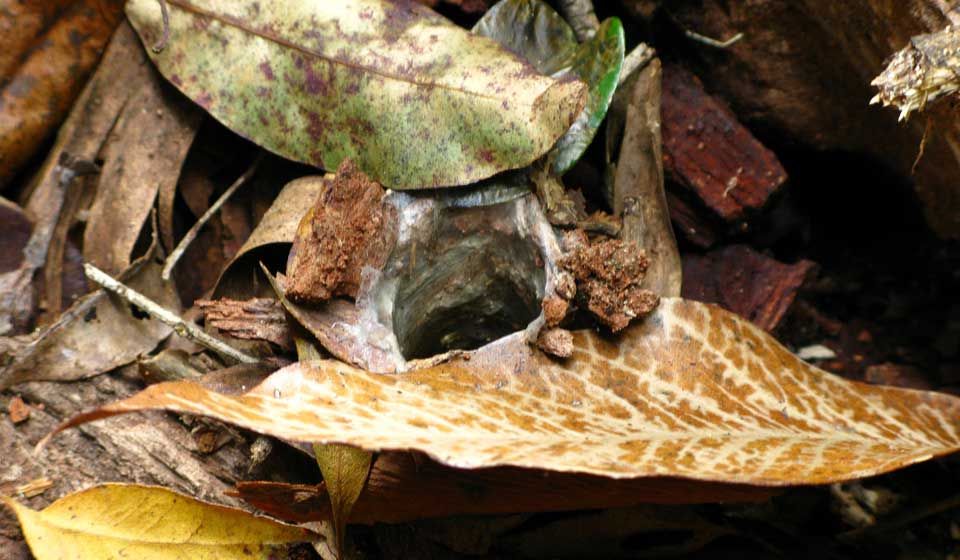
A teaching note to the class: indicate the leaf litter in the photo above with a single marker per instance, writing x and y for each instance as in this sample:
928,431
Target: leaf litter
476,348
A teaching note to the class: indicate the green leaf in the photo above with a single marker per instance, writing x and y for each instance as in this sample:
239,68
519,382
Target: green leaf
598,63
116,521
533,30
415,100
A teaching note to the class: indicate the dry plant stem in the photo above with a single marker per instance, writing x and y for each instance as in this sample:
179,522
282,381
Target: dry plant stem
580,15
195,230
709,41
183,328
165,14
637,59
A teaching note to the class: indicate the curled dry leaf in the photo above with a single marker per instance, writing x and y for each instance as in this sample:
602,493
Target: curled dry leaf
131,521
693,391
49,50
322,81
16,300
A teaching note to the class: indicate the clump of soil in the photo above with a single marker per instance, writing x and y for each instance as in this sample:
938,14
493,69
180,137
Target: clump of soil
609,274
345,230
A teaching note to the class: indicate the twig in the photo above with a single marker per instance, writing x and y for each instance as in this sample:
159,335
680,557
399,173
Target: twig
635,60
580,15
195,230
711,41
183,328
165,15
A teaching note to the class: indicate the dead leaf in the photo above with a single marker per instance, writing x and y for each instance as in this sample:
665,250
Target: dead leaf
344,470
49,50
401,489
365,80
278,226
143,155
115,521
638,194
693,391
98,333
57,187
16,303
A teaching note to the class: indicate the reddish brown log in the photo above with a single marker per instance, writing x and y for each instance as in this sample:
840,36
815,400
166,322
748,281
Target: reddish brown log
691,223
708,151
748,283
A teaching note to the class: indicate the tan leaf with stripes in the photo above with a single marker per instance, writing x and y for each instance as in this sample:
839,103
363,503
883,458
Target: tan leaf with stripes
693,391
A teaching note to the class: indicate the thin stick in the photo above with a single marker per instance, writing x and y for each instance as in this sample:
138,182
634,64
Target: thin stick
165,15
581,17
635,60
195,230
711,41
183,328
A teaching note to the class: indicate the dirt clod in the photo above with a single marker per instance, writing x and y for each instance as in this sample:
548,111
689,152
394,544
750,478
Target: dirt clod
554,310
609,275
343,232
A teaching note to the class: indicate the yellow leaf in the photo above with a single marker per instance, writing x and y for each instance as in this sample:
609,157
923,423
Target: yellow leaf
692,391
344,468
149,523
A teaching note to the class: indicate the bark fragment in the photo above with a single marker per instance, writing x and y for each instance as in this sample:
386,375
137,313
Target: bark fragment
707,150
345,230
752,285
253,319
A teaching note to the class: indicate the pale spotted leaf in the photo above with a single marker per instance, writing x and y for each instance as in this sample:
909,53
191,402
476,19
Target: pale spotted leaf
692,391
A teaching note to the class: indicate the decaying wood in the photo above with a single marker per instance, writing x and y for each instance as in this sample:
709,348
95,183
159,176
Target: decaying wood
691,221
803,71
748,283
345,230
151,449
708,151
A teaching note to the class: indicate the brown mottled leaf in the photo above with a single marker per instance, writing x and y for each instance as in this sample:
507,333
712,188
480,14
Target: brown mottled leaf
115,521
693,391
414,100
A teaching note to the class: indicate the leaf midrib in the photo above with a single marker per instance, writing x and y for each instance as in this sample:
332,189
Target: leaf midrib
234,22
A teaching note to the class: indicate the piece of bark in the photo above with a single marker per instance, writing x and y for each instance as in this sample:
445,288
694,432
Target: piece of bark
403,487
343,231
708,151
253,319
803,72
692,222
745,282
